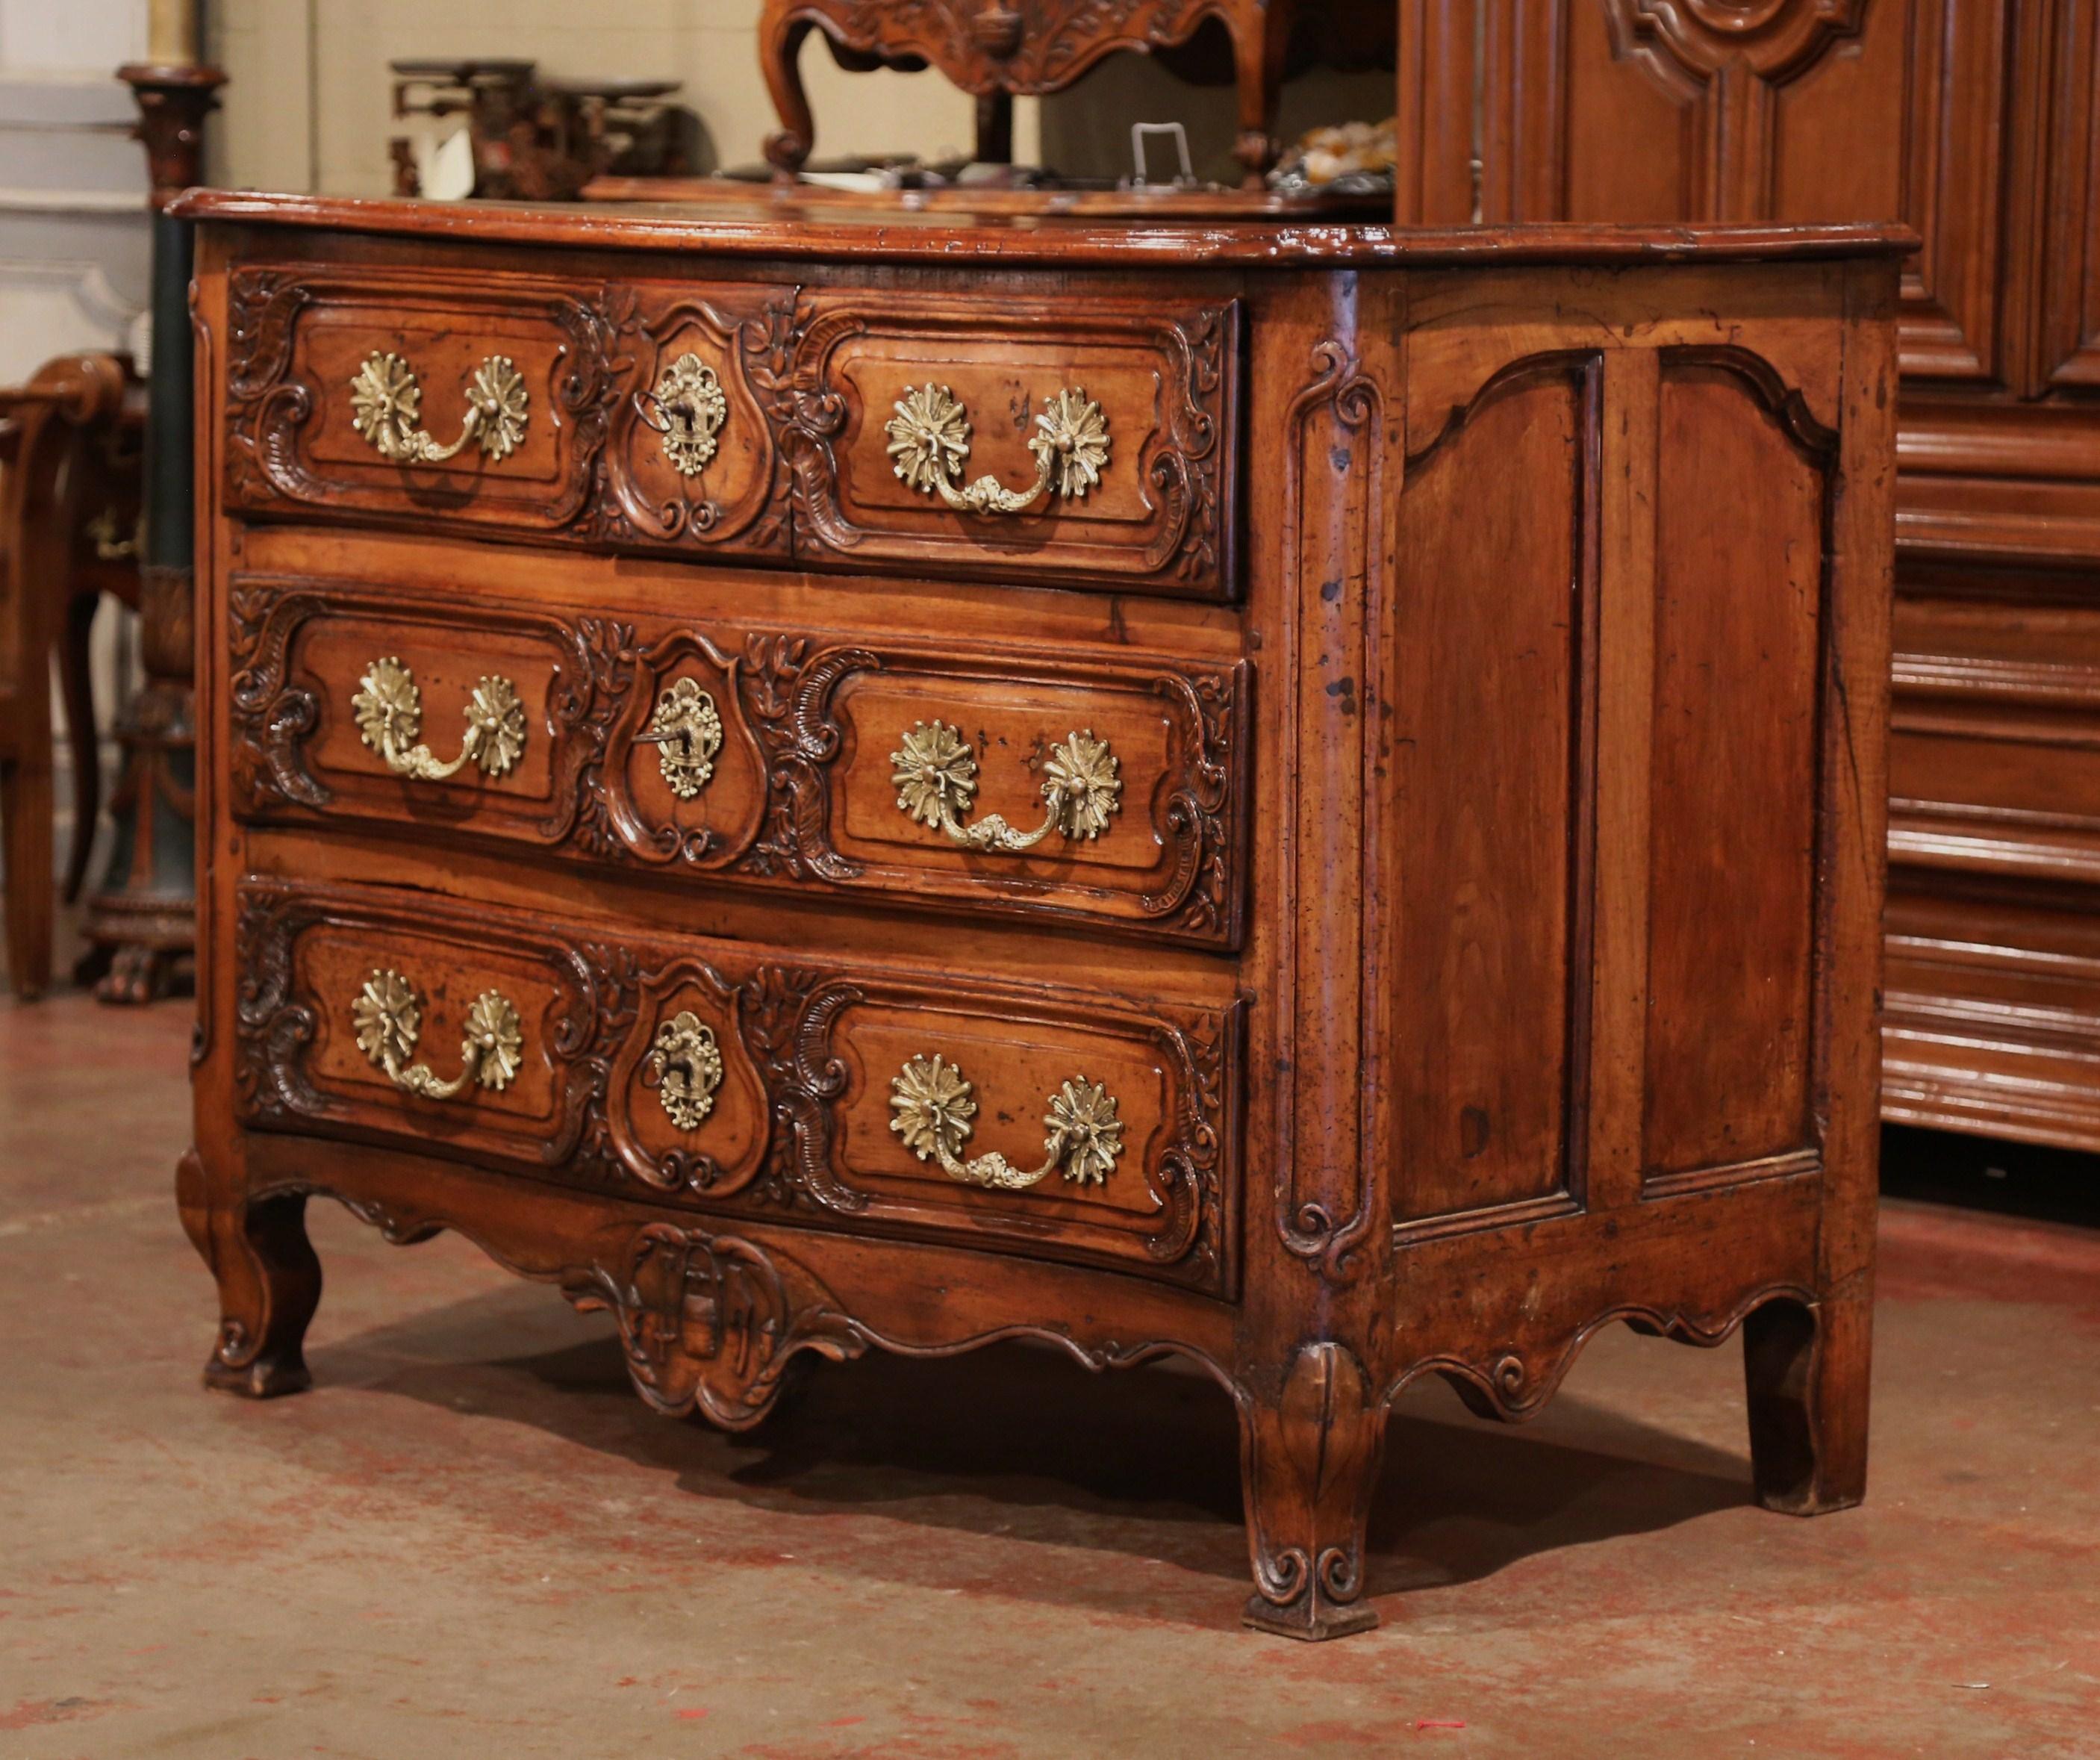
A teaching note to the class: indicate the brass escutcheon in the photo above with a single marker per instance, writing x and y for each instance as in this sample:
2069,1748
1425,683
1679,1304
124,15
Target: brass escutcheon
685,1067
688,407
687,730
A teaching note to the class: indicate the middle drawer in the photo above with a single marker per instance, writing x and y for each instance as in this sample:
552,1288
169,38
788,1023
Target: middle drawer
1094,782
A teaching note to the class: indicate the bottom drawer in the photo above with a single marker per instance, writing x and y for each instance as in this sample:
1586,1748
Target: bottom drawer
1060,1123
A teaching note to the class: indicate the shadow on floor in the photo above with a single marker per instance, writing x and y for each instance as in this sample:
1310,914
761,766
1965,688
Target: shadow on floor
1016,1440
1985,1174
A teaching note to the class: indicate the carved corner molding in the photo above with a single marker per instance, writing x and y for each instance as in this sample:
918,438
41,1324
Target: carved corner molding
1352,402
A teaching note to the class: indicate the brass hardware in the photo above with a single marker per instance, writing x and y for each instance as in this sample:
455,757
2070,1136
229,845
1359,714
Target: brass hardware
386,408
108,546
688,407
685,1067
936,774
929,444
389,1017
389,709
933,1109
687,730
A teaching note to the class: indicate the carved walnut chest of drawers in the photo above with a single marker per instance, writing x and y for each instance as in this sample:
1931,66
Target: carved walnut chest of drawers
1311,800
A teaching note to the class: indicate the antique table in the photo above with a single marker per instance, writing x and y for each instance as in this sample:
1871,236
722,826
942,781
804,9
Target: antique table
828,778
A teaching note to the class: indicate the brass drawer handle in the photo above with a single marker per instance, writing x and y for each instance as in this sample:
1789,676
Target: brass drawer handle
387,402
389,709
688,407
389,1016
933,1109
685,1067
687,730
936,774
929,444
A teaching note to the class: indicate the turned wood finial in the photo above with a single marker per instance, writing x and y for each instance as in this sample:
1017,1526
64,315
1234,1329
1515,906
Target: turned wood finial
173,103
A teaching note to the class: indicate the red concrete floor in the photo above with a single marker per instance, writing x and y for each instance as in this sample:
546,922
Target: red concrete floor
471,1540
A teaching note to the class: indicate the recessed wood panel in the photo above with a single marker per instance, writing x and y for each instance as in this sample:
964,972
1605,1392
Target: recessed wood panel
1740,543
1480,825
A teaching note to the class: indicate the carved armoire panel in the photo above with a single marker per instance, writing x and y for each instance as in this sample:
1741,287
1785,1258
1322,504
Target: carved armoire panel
1787,110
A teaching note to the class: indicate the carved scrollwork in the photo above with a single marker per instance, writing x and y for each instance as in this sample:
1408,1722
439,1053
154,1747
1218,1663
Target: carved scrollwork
1515,1381
786,698
271,718
1310,1460
714,1323
272,1027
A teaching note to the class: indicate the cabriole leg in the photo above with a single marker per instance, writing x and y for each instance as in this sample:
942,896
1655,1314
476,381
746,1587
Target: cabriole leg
1309,1461
269,1283
1807,1372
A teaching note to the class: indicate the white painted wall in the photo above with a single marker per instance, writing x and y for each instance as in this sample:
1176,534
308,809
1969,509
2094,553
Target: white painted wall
75,253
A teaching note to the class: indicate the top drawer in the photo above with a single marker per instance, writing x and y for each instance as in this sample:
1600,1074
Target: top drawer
1084,442
602,413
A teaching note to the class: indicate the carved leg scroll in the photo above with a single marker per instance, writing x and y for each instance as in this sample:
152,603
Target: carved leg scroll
269,1283
1807,1371
1309,1461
